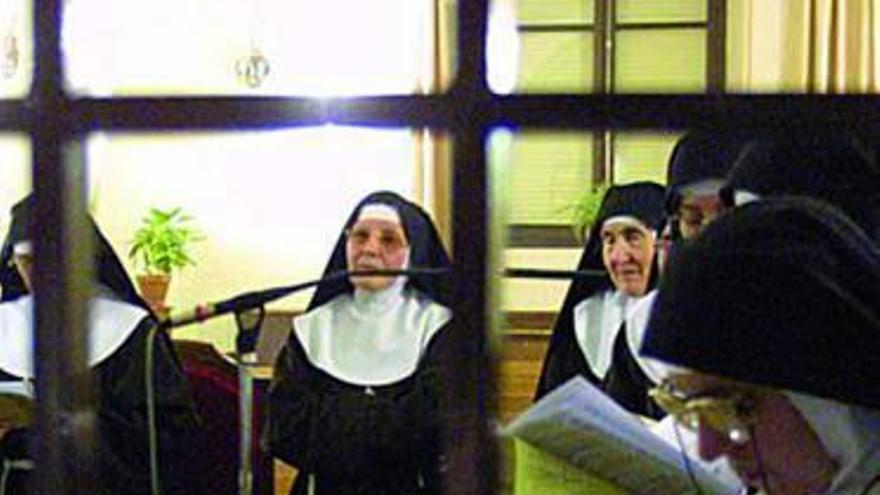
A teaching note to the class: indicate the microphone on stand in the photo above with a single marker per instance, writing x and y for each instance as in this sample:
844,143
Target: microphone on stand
543,273
256,299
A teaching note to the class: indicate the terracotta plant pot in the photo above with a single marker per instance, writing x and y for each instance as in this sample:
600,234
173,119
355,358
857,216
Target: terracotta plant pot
153,289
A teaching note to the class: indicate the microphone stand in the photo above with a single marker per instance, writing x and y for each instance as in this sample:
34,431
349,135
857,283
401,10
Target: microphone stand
250,311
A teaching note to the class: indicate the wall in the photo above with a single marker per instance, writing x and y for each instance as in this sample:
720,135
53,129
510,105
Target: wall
269,204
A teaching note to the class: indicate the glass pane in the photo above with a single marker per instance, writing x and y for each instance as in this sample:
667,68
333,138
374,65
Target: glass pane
269,204
329,48
16,48
269,207
15,174
548,174
661,11
556,11
676,61
556,62
642,156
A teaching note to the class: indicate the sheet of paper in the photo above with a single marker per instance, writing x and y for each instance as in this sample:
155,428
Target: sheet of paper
581,425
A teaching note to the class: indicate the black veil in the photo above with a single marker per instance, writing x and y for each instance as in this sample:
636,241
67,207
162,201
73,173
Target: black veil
782,292
564,359
109,270
426,251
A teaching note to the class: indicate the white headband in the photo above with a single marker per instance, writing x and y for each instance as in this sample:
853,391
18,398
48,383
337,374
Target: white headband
627,220
705,187
379,211
744,197
23,248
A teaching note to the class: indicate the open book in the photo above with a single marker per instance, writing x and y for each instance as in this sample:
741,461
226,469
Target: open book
584,428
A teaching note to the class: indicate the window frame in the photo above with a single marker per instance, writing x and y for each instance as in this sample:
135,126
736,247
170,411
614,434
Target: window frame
605,28
468,110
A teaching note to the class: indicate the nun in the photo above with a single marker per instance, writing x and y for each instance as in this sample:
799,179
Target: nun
120,324
589,337
770,324
357,388
831,166
695,180
695,176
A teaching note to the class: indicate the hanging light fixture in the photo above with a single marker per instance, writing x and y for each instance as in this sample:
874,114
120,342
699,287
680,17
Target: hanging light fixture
252,69
10,46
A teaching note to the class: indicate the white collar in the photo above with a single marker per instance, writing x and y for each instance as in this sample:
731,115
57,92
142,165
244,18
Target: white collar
597,320
375,302
110,324
373,341
636,323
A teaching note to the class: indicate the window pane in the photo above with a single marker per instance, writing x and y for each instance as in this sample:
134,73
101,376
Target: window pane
328,48
676,61
269,204
548,174
16,48
642,156
15,174
661,11
544,11
556,62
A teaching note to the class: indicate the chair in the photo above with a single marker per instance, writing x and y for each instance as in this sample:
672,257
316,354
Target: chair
214,382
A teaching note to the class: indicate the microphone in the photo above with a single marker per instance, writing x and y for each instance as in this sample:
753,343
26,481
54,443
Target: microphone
555,274
255,299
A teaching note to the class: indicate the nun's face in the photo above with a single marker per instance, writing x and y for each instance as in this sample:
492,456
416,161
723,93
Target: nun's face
376,244
627,252
767,441
696,211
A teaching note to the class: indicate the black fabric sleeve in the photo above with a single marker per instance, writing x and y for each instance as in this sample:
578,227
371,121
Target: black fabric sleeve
385,437
564,359
626,383
292,405
122,422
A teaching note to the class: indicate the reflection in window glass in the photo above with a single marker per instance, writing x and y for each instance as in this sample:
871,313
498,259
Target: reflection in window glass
328,48
676,61
16,48
660,11
556,62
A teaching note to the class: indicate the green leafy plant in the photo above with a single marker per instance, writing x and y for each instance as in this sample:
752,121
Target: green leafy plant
163,241
585,211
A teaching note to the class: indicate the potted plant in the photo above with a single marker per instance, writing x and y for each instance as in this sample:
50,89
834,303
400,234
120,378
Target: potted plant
161,244
585,211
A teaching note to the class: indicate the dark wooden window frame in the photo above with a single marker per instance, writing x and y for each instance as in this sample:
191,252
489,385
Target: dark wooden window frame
604,27
469,111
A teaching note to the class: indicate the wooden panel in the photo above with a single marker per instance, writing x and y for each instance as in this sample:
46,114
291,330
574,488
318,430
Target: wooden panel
522,354
518,371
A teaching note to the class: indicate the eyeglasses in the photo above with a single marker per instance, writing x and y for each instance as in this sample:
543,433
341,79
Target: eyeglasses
388,240
731,412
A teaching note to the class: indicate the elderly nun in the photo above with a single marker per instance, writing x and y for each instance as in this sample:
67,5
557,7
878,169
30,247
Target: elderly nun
770,323
589,337
355,400
120,324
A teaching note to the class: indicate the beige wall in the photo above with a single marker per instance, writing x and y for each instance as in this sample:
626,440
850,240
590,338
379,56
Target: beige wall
534,294
270,205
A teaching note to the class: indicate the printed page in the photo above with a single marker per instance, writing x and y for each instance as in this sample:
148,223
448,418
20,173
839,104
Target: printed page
581,425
